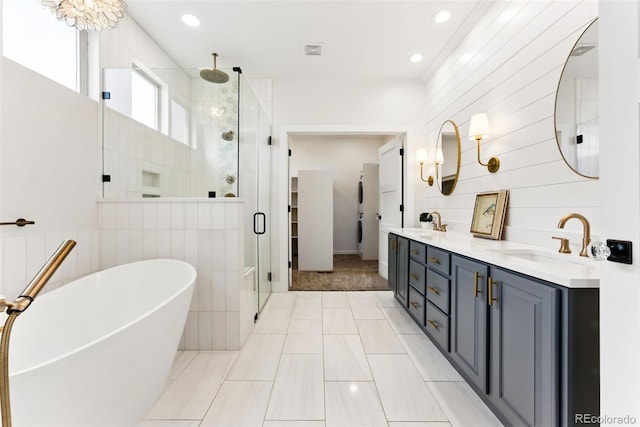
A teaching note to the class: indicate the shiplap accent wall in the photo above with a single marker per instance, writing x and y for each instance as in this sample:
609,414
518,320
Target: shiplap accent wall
509,67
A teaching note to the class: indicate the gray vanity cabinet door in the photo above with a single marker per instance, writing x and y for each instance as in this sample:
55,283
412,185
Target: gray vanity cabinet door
524,338
393,262
469,319
402,267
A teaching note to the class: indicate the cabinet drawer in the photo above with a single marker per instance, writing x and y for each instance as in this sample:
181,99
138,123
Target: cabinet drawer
437,325
417,251
416,305
417,276
438,260
437,290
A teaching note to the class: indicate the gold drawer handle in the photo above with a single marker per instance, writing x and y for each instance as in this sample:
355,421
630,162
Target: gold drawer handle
434,260
433,324
434,290
413,276
476,279
415,252
490,295
414,304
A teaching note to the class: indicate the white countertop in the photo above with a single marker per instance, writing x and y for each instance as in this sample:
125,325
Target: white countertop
569,270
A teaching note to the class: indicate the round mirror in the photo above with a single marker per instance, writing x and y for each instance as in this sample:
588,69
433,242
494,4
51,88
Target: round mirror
448,157
576,116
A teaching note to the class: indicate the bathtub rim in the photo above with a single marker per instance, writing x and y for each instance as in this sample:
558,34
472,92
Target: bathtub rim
171,298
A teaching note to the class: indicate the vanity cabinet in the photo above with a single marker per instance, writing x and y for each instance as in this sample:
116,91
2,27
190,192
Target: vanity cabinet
524,355
392,276
529,348
469,317
398,265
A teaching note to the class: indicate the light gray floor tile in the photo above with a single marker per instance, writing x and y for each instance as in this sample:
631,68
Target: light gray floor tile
378,337
400,321
462,406
418,424
338,321
353,404
293,424
386,299
239,403
433,366
258,359
304,336
280,300
298,390
334,300
365,307
307,308
273,321
190,395
344,359
404,394
168,423
181,361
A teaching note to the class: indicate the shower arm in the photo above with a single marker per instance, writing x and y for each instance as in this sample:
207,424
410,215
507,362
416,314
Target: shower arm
40,279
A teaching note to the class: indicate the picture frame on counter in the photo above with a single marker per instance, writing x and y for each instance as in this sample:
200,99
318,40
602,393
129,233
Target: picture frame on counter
488,214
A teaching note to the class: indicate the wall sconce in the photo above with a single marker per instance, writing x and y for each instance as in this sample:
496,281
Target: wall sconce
478,130
421,157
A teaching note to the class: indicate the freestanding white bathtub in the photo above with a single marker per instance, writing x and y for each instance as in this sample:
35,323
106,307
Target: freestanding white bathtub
97,352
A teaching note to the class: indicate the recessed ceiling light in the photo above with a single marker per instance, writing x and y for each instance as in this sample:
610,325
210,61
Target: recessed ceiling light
416,57
442,16
190,20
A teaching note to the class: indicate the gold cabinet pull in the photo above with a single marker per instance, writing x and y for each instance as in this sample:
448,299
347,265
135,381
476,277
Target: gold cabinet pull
414,251
476,279
414,304
433,324
434,290
413,276
434,260
490,297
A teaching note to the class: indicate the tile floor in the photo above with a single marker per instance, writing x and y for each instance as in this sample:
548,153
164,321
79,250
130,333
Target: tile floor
322,359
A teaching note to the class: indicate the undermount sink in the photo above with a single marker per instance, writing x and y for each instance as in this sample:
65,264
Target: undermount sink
542,257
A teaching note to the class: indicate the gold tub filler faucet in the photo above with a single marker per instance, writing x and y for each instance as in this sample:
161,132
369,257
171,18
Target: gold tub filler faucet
14,309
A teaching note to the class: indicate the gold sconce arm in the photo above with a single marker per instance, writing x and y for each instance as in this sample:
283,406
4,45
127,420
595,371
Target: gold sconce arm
478,130
493,164
429,179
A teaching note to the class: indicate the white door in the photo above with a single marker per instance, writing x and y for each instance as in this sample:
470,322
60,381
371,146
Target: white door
391,198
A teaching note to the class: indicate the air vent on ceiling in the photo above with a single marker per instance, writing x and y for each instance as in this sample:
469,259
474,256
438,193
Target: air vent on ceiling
313,49
582,49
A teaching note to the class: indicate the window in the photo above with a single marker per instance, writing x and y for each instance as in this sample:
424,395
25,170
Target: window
179,123
55,53
145,93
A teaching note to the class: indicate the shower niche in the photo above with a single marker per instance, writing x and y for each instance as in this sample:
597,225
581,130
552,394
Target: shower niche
170,133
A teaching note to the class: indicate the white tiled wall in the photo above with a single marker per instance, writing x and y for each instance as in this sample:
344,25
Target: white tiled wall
206,233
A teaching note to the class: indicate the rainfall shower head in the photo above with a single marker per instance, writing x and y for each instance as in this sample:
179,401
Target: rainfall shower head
214,75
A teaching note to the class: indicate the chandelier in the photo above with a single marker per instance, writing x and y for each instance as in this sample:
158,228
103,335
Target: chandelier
90,15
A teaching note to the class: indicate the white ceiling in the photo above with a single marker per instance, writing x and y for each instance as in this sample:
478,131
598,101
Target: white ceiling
362,39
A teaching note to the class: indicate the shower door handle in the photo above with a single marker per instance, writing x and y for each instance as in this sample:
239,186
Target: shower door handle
256,225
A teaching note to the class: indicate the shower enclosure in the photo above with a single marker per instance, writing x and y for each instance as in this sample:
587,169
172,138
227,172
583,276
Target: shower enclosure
169,133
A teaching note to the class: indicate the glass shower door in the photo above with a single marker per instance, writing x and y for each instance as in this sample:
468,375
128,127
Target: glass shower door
264,206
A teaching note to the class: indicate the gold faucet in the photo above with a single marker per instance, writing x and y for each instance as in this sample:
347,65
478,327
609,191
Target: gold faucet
438,226
586,230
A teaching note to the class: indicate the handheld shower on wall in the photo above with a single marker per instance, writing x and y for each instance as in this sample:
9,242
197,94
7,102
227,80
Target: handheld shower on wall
214,75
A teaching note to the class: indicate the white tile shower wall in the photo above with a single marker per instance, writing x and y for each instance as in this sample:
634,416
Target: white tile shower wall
22,255
207,234
508,67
